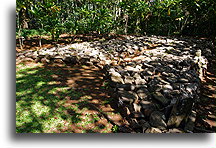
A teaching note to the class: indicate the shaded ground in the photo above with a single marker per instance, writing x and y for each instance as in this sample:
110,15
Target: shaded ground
206,107
59,98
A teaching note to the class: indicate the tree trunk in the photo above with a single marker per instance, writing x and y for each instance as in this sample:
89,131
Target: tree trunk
23,19
21,43
126,23
214,40
40,41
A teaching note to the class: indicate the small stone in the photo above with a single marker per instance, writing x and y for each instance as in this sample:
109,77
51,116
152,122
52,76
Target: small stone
130,68
58,61
135,47
165,74
147,66
137,115
26,59
128,80
127,96
136,107
139,67
137,76
94,53
147,78
20,55
135,125
192,87
157,119
143,93
167,93
175,120
144,124
213,117
186,49
142,58
147,73
127,59
84,60
37,59
31,55
183,80
73,60
116,77
189,126
162,80
140,81
172,79
153,130
45,60
167,87
128,111
180,110
70,59
125,129
114,63
176,86
123,72
175,130
107,62
126,87
145,102
147,107
57,57
154,85
159,97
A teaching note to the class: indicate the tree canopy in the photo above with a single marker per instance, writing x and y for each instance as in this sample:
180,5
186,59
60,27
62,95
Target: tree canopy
159,17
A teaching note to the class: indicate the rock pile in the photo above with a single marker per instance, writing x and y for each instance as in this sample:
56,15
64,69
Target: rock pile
155,80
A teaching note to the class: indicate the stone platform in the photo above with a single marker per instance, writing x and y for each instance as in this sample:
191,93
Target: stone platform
155,80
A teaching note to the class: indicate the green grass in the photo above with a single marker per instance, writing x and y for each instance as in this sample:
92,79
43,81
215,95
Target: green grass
115,128
41,104
37,108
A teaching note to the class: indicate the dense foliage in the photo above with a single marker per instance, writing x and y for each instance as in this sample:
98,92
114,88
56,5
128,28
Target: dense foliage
159,17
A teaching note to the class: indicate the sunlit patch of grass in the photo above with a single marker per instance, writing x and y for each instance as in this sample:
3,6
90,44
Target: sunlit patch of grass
63,89
53,82
32,72
54,123
39,109
24,92
52,91
35,108
40,106
39,84
23,117
86,97
91,118
43,106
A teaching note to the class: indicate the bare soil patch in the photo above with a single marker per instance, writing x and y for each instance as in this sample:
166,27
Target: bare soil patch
206,107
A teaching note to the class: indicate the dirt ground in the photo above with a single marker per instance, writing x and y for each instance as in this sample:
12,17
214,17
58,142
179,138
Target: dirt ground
206,107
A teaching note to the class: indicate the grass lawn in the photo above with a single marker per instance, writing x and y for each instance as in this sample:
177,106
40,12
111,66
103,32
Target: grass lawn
46,105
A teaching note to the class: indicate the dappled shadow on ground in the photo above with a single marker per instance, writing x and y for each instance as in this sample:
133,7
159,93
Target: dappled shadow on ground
206,107
57,98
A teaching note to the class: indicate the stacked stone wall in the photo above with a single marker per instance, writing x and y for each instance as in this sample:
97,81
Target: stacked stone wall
155,80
